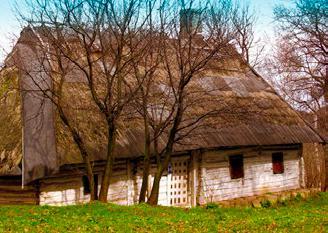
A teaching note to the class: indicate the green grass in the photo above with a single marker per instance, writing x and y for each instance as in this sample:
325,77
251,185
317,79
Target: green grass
298,215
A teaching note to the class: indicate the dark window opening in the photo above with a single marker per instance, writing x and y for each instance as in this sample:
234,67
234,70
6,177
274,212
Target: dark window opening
236,166
86,185
278,163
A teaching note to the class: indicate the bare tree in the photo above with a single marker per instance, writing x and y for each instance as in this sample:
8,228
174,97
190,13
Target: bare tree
191,36
301,58
11,121
97,39
244,20
144,101
48,76
302,52
129,54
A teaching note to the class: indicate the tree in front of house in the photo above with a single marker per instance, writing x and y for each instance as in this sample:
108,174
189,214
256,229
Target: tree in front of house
96,43
194,40
143,56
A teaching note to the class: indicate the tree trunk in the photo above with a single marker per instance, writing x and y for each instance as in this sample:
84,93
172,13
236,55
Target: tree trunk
146,165
109,164
85,156
325,149
145,175
322,167
325,178
325,89
153,198
325,128
93,194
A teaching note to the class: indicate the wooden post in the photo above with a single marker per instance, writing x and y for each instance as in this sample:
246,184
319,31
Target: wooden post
169,178
129,180
301,168
149,186
201,186
195,184
37,192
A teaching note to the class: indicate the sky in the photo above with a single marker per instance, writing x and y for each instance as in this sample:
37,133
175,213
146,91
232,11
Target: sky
10,26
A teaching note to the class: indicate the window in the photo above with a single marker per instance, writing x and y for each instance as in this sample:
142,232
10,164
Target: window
86,185
278,163
236,166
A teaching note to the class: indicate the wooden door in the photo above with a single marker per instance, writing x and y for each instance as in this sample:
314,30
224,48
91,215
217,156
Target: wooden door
179,182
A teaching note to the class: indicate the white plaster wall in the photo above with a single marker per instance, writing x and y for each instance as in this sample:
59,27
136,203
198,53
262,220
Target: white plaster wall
216,184
64,197
69,190
258,176
163,191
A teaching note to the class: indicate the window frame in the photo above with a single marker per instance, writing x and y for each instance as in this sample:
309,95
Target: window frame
236,162
278,165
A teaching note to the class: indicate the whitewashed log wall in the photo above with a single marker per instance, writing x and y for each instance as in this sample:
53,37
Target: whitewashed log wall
163,198
120,191
68,189
208,174
216,183
124,187
65,190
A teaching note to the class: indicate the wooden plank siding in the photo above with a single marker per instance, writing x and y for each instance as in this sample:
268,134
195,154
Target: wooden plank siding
12,192
217,185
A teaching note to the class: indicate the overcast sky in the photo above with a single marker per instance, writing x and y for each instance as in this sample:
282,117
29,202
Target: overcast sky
10,27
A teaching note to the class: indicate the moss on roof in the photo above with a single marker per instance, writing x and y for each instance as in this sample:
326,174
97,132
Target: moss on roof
10,123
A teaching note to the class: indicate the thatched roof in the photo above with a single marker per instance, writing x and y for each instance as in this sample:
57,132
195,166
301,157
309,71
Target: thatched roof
249,112
10,124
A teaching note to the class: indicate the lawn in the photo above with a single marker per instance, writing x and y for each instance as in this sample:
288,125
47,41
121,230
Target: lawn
296,215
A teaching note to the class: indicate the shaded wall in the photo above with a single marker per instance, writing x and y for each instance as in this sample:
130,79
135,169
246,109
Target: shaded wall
11,192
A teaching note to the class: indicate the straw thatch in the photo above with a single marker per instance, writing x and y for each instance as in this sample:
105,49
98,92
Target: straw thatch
248,112
10,124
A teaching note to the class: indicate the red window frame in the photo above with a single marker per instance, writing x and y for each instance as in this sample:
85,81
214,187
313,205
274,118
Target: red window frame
278,163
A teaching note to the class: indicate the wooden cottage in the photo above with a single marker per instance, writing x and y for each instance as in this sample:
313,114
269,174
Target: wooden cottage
247,152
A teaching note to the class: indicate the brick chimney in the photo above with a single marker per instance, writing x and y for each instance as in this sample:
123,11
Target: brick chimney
190,21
